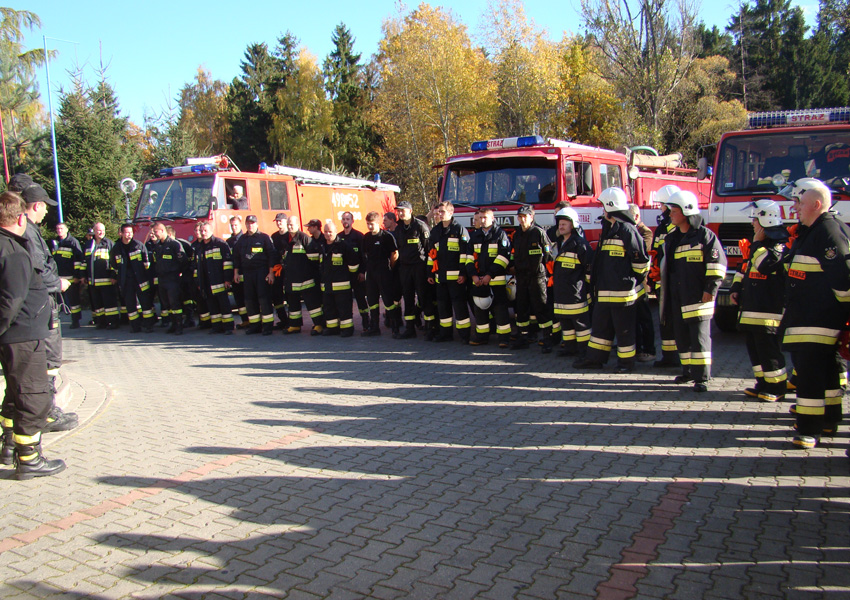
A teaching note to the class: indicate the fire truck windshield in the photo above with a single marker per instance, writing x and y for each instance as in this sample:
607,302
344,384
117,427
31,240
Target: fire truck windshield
178,198
504,181
764,161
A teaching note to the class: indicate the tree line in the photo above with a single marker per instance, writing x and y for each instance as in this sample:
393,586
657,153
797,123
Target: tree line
641,72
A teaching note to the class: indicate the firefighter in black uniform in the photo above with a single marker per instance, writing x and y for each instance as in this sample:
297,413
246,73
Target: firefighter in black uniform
412,236
187,278
170,261
129,259
301,262
620,265
354,238
694,265
573,258
254,259
215,276
447,260
530,256
69,258
817,306
238,287
491,253
150,244
99,276
380,253
759,290
278,287
339,263
669,354
204,316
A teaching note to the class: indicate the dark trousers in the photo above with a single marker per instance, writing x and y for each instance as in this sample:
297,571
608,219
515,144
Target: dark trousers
104,300
669,352
645,330
258,299
279,300
531,300
768,362
414,285
28,390
217,306
379,286
338,309
71,299
170,295
133,298
575,332
53,340
499,310
238,290
358,288
819,393
612,320
312,298
693,339
451,298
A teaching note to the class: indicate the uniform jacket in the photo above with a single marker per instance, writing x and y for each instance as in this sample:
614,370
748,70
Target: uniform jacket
98,266
531,251
339,263
301,259
129,261
817,288
412,242
570,272
620,264
450,244
214,265
169,259
694,263
24,304
760,285
491,253
254,253
69,257
355,240
42,258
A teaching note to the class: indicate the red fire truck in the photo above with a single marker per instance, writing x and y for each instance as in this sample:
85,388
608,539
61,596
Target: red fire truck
756,163
504,174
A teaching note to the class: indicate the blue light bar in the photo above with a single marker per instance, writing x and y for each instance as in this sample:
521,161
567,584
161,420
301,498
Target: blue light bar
798,118
513,142
169,171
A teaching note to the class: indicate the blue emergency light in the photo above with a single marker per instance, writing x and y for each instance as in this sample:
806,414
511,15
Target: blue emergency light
513,142
799,118
169,171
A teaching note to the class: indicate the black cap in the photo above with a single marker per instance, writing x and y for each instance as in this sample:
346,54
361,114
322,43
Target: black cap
525,210
19,182
251,219
90,231
35,193
314,223
280,217
405,204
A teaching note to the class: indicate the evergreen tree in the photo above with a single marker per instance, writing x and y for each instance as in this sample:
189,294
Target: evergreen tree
249,102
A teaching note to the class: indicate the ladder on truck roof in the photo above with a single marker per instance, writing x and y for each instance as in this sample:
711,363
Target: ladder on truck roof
317,178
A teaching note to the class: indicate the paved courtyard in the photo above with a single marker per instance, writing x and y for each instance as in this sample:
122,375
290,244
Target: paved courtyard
306,468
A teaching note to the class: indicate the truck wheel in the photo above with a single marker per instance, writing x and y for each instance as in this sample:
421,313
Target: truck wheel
726,318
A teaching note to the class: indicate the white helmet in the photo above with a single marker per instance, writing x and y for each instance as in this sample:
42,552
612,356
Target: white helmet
767,212
663,195
567,213
801,186
685,200
483,302
614,199
510,288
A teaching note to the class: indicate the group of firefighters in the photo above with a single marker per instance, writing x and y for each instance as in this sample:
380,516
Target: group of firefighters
564,294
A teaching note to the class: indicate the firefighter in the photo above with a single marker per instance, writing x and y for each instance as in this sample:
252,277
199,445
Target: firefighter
619,267
170,261
301,262
278,287
150,244
693,268
817,305
69,256
380,253
669,354
238,287
204,315
573,258
530,257
339,264
99,277
447,260
491,253
412,235
130,261
187,278
254,259
214,265
644,327
759,290
354,238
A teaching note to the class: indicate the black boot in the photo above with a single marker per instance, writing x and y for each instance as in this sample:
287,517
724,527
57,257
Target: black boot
59,420
75,321
178,325
409,331
367,323
30,463
7,456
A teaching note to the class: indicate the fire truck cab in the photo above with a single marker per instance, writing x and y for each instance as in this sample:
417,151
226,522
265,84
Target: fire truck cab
504,174
775,149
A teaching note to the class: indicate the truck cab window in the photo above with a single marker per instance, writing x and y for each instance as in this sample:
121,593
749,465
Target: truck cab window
235,191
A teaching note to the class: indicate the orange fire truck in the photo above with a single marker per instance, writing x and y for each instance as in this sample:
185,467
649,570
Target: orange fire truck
210,189
504,174
756,163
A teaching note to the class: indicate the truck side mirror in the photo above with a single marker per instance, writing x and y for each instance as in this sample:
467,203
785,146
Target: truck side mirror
439,187
702,168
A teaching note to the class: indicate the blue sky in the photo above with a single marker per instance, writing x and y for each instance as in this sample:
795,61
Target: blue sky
152,49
